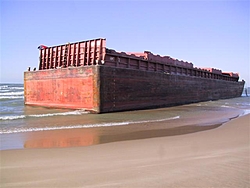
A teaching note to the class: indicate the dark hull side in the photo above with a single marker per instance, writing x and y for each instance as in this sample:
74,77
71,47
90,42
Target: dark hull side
102,89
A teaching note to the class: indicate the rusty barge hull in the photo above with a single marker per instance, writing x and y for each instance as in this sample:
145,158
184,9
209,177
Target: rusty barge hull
87,75
102,89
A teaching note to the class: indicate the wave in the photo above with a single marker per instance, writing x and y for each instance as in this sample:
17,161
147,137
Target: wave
245,112
12,93
11,97
225,106
35,129
12,117
8,87
76,112
4,86
16,88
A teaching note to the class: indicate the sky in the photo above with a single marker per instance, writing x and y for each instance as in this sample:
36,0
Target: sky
208,33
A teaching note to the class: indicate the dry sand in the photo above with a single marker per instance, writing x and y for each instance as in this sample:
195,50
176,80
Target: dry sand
218,157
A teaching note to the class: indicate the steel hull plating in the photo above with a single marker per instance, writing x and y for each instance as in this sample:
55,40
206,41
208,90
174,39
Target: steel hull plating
101,89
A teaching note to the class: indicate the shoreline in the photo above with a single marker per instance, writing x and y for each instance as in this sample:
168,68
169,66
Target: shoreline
213,158
79,137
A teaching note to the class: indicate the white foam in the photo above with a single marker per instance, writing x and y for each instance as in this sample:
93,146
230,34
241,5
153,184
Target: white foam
35,129
246,111
17,88
12,93
11,97
11,87
76,112
3,86
224,106
5,90
12,117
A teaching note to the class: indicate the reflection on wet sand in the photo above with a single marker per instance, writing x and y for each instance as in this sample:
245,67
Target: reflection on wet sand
93,136
62,138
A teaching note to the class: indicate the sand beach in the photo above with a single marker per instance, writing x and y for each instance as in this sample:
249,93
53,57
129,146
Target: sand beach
218,157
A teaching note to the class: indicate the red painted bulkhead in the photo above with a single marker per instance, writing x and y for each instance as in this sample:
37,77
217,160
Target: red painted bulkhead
74,88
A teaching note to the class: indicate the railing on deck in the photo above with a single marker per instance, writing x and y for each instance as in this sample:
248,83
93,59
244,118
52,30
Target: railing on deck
90,52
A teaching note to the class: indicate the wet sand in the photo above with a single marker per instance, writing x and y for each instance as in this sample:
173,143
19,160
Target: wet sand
188,122
218,157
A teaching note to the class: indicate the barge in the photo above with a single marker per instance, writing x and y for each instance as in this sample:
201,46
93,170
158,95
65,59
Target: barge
88,75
